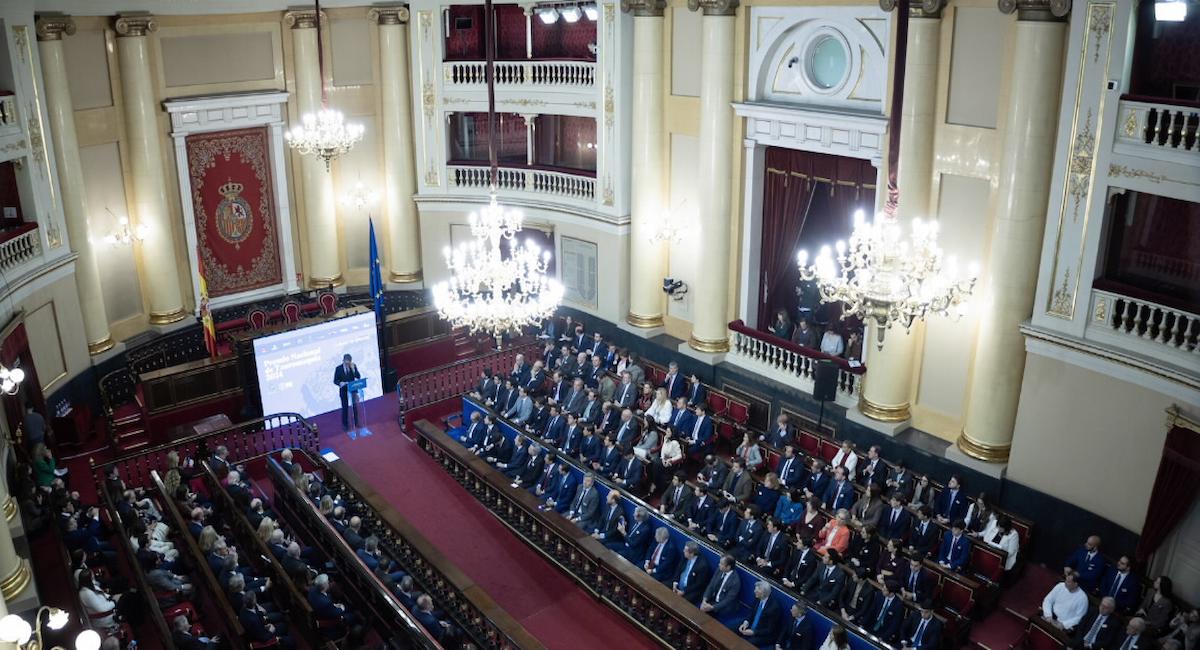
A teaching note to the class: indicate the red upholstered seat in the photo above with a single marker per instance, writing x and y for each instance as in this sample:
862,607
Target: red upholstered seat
739,412
957,598
328,302
987,562
717,404
828,449
257,318
291,312
255,645
809,442
728,432
1037,637
773,460
185,609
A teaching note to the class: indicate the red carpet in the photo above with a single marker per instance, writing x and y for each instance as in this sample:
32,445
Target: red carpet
545,601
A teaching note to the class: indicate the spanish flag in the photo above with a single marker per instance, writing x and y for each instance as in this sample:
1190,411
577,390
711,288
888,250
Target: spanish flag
206,320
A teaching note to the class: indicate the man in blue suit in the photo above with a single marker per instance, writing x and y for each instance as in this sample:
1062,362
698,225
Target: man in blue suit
955,548
924,534
721,597
674,382
918,584
537,378
797,634
561,496
608,528
473,436
548,480
692,578
1122,586
951,504
700,436
682,417
637,537
839,494
697,394
606,463
749,534
790,468
885,616
590,446
818,480
629,471
557,426
922,631
515,463
1088,563
895,522
662,557
723,524
762,626
331,617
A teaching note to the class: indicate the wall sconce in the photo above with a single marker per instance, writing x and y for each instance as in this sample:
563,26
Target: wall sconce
360,197
16,630
668,229
125,234
10,380
674,288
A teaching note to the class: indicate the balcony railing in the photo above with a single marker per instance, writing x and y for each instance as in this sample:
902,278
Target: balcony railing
1151,127
21,248
788,363
545,183
1146,328
523,74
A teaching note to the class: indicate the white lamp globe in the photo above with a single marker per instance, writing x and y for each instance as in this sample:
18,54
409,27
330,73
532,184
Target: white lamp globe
14,629
87,640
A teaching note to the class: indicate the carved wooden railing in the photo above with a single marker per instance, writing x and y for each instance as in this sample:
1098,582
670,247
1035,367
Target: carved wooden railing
789,362
451,380
556,75
577,188
1154,126
1144,327
478,615
244,440
20,249
366,591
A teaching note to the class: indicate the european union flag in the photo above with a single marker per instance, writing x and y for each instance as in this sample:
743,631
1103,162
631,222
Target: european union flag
376,275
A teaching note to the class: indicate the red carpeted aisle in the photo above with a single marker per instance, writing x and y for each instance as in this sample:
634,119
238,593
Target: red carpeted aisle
544,600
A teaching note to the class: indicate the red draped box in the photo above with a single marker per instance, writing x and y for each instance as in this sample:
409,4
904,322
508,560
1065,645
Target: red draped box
236,238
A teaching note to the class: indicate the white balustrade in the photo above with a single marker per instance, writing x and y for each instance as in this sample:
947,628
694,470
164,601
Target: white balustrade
529,74
20,249
759,354
564,185
578,189
1158,128
1146,328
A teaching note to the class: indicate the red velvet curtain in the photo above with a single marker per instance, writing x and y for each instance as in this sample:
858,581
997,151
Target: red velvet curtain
1175,489
809,200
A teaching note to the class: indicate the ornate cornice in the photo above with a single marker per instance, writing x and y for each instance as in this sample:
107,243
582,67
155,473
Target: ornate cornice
302,18
138,24
644,8
714,7
917,8
52,27
1036,10
390,15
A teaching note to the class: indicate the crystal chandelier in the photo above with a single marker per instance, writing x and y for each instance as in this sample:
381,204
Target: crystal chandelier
125,234
324,134
10,380
884,278
491,290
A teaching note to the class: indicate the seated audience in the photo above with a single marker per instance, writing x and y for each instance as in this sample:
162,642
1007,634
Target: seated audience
1158,605
1087,563
1066,603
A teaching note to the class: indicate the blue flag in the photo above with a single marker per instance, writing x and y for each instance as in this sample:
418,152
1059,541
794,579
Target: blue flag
376,276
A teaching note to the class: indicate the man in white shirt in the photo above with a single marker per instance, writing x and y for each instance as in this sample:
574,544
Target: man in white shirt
1066,604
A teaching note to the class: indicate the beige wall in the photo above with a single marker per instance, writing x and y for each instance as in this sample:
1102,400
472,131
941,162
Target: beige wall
1088,438
57,341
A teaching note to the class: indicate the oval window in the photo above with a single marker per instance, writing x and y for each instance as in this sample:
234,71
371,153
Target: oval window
828,62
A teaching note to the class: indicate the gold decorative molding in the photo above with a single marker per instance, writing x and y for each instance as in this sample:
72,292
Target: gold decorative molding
708,345
917,8
52,27
644,8
1099,24
1176,418
1154,177
714,8
166,318
101,346
982,450
1036,10
610,106
413,276
135,24
1130,129
884,413
644,322
428,99
1100,312
303,19
15,583
325,283
10,508
1080,165
1062,302
393,15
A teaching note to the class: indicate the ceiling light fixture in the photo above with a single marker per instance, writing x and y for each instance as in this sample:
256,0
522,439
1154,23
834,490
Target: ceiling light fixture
571,13
1170,11
549,15
591,11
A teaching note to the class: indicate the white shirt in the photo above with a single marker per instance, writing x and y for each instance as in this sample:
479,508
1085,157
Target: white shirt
1069,608
671,451
851,462
95,602
832,343
1008,543
660,411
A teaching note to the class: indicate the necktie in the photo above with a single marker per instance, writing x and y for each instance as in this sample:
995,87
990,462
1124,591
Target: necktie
786,466
678,495
842,463
771,544
953,547
1094,631
758,615
625,394
1128,642
916,640
883,611
657,556
1117,584
895,515
912,581
721,588
579,500
687,570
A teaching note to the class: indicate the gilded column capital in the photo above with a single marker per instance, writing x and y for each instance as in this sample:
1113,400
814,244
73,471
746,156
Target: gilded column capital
302,18
52,27
135,24
390,15
714,7
917,8
644,8
1036,10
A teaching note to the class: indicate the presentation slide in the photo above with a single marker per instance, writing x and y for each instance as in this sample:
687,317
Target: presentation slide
295,368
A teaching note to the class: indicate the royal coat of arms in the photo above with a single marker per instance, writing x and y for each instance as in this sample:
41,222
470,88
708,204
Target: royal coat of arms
234,217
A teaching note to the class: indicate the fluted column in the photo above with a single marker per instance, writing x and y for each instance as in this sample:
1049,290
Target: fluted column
646,256
160,274
1016,239
887,389
50,32
399,173
711,306
14,570
324,265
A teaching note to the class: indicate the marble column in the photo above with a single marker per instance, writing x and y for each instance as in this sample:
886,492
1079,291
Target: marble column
15,575
399,172
887,389
50,32
710,313
647,256
159,268
1026,164
320,216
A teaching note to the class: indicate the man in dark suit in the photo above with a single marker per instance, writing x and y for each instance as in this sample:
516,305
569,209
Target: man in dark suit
825,585
565,432
592,408
517,458
532,469
674,382
626,393
738,485
1121,584
692,578
749,535
762,626
560,387
473,437
585,507
608,528
700,436
610,455
797,634
875,471
901,482
895,522
590,446
331,617
662,557
629,471
541,414
955,548
924,532
1100,629
918,584
783,434
700,510
536,379
345,373
597,348
713,473
839,494
772,553
637,537
723,524
627,431
802,564
818,480
951,503
548,480
576,399
185,640
857,596
559,497
922,631
676,499
682,417
790,468
353,535
1088,563
258,628
697,394
721,597
885,616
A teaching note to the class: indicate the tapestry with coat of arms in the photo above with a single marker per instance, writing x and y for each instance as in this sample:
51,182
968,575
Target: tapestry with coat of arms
232,197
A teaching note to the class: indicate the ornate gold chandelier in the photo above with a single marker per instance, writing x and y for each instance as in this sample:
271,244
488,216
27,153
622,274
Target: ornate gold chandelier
489,290
882,277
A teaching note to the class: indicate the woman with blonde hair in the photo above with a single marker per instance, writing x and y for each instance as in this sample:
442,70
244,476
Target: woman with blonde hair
836,640
265,529
208,537
660,409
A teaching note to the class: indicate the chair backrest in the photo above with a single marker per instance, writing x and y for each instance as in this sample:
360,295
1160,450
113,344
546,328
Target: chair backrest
827,450
328,302
739,412
257,318
987,562
957,597
1039,638
810,442
717,403
725,430
291,312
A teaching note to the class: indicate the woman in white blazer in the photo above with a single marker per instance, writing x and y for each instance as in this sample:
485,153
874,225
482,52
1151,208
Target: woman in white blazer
660,409
1001,534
